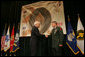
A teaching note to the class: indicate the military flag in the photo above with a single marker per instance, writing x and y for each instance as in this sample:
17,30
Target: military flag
7,40
80,35
3,40
16,42
71,39
12,40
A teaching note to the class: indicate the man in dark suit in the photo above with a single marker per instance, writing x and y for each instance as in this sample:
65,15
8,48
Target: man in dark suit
35,36
57,39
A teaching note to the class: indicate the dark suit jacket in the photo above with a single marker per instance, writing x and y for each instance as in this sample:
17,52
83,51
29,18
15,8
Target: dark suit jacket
35,35
57,37
35,40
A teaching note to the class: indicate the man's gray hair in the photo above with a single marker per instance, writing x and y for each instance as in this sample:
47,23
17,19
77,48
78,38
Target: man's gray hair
36,22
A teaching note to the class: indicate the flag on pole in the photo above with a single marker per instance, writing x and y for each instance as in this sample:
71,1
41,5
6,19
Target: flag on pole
7,40
3,40
16,42
80,35
71,39
12,40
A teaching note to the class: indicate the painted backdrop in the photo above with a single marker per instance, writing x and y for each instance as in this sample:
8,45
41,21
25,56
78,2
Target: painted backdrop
45,12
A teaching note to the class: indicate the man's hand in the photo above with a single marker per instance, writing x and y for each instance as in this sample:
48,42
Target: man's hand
46,36
60,45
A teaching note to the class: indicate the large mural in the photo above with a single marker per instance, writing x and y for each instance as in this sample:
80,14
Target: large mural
45,12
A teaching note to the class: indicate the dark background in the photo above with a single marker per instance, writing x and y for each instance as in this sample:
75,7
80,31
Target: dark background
11,14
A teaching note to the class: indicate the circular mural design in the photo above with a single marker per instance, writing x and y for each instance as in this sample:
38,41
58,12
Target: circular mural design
42,15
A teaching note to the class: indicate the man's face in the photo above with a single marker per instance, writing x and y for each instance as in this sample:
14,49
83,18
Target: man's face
53,25
38,25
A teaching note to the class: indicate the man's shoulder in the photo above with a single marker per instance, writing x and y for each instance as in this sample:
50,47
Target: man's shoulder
34,28
59,28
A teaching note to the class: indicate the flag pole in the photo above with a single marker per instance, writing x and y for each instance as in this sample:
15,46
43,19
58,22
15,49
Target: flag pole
78,15
14,24
5,27
18,25
68,18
